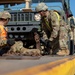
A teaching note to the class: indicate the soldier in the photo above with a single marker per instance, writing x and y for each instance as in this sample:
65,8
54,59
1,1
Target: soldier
55,30
72,33
4,41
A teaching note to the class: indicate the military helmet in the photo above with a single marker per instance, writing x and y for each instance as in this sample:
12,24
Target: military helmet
5,15
41,6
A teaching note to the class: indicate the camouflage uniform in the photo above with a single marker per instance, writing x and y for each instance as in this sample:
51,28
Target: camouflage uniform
72,27
3,29
71,21
18,49
4,18
55,29
58,33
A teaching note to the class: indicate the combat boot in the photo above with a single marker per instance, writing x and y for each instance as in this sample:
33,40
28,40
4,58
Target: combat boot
63,52
67,52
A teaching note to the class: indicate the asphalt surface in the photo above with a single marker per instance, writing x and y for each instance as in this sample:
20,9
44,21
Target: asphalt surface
11,64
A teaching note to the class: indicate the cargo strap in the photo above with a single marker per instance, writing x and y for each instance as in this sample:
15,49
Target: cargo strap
47,23
57,15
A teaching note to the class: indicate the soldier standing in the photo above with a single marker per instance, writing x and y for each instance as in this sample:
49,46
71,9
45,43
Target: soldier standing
4,41
55,30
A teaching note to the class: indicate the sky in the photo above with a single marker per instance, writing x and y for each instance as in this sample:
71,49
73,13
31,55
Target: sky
72,6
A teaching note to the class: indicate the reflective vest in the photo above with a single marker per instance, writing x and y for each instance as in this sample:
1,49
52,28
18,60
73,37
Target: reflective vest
47,22
3,32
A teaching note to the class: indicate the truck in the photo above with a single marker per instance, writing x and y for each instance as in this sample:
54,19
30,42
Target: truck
19,28
23,24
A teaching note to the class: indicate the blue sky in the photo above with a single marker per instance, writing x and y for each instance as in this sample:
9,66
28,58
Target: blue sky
72,5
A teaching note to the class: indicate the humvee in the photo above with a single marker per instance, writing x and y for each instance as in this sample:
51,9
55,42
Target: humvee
23,24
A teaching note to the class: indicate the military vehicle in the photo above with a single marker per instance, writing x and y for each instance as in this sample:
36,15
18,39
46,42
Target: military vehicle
24,24
45,65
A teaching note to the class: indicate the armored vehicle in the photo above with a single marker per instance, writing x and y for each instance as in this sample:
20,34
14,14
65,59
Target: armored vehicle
44,65
24,24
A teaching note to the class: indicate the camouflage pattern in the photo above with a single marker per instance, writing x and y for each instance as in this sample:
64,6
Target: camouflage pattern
3,31
18,49
3,42
41,6
5,15
63,38
31,52
71,21
37,40
72,32
57,32
3,39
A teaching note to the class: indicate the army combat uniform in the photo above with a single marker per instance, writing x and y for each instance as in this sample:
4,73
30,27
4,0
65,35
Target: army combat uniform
56,31
18,49
5,43
3,31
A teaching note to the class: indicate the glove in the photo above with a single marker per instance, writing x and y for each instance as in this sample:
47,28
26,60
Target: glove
48,43
10,42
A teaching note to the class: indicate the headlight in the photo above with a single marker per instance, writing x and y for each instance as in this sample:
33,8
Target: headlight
37,17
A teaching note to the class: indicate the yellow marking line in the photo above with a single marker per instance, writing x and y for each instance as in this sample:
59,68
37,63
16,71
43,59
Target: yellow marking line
61,67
